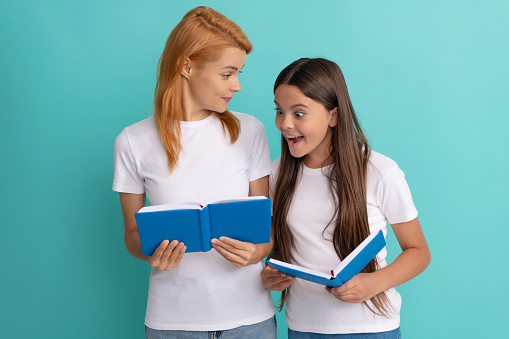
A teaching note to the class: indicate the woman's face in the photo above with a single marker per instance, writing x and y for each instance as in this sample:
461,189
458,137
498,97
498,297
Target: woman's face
213,86
305,124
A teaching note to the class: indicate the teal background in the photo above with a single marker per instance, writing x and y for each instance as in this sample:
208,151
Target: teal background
428,81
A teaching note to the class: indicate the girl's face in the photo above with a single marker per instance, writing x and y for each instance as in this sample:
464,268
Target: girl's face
305,125
213,86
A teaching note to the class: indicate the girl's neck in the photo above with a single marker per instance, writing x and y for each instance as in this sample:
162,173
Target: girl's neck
316,162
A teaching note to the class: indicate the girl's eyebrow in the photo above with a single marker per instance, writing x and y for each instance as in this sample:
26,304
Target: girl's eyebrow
293,106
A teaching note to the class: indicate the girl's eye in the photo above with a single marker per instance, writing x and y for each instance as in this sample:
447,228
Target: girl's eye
278,111
299,114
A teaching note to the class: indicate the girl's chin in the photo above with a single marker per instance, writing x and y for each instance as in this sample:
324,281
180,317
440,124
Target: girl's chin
295,153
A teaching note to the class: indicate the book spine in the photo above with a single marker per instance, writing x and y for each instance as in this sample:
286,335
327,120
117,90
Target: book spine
205,228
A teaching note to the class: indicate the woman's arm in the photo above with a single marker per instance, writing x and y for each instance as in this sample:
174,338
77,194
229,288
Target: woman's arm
166,256
241,253
414,259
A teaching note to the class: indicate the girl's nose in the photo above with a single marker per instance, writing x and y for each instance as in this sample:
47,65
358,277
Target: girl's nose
287,122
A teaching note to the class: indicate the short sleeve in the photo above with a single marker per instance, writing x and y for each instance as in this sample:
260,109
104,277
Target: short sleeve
396,201
260,152
125,179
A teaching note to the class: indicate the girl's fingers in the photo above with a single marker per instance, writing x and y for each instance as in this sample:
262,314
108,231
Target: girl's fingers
279,284
273,273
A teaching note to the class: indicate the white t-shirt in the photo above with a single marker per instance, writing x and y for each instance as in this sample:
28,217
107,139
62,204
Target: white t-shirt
309,308
205,292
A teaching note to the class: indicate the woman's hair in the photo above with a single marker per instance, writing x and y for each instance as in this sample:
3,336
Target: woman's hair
200,37
322,80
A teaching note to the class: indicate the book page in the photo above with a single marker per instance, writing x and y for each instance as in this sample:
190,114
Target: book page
354,253
300,268
237,199
174,206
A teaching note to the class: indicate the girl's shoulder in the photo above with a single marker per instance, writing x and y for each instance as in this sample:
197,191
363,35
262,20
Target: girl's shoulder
275,165
380,165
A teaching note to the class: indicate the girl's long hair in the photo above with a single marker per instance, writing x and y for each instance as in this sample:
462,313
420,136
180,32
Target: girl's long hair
323,81
200,36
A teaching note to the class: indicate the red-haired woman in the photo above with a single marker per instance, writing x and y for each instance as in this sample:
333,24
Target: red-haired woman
194,149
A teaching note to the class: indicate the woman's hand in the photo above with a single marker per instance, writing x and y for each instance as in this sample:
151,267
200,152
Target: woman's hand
167,255
356,290
239,253
275,280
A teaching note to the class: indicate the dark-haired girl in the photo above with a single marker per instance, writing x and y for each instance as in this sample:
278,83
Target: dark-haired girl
330,191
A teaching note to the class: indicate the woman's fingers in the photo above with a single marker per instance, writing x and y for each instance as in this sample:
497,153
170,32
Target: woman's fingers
167,255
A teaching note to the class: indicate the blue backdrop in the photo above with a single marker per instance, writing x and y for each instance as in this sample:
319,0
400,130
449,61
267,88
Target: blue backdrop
427,80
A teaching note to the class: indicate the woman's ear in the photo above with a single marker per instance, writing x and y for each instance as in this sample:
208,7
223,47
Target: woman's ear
186,69
333,121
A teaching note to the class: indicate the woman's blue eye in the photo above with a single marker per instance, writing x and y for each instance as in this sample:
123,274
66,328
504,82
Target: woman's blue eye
226,76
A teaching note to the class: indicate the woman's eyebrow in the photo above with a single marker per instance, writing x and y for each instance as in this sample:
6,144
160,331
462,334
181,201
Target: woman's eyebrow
232,68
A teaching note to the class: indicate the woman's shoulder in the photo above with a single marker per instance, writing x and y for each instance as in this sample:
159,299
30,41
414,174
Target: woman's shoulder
143,126
249,123
139,132
245,118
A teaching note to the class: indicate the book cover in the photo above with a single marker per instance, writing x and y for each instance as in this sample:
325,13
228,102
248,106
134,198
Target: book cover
195,224
348,268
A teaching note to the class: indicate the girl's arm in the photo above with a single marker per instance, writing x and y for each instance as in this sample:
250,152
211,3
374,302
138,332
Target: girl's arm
411,262
166,256
241,253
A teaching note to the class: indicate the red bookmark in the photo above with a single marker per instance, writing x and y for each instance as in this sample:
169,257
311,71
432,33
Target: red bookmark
332,273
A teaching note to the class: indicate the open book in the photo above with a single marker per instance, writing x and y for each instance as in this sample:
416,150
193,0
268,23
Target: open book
348,268
195,224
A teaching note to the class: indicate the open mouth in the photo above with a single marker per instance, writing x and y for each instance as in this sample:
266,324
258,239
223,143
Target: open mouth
294,140
227,99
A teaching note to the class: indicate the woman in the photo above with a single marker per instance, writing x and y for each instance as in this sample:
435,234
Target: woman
194,149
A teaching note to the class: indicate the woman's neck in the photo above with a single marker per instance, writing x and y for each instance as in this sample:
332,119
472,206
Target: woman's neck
196,116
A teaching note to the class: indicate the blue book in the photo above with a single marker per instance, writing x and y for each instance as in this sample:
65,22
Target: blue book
348,268
195,224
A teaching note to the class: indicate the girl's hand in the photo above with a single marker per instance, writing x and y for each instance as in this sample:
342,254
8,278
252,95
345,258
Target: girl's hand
356,290
239,253
167,255
275,280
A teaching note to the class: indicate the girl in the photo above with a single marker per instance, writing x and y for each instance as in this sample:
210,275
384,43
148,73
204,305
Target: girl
330,191
194,149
